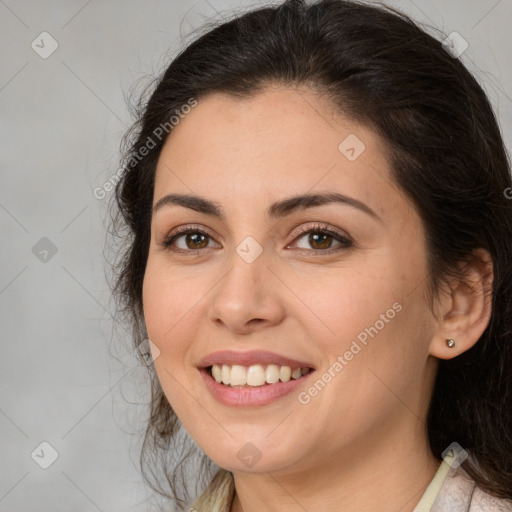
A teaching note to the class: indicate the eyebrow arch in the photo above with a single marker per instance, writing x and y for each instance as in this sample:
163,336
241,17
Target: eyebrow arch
275,211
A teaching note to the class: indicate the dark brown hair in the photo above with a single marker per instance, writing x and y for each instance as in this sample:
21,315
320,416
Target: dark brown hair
447,154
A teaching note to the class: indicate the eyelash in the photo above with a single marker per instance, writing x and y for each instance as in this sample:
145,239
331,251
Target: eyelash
318,229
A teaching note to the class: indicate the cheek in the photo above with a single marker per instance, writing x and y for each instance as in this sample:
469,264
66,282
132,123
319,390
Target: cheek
168,308
370,319
168,305
349,302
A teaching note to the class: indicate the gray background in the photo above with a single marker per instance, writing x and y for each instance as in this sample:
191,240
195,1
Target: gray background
65,377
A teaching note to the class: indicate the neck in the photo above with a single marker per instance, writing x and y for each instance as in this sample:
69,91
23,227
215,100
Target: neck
387,477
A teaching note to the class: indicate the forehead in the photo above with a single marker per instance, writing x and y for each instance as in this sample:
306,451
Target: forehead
281,141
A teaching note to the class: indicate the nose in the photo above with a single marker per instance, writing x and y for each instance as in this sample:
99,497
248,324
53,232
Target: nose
247,297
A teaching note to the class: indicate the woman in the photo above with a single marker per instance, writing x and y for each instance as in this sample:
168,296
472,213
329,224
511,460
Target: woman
319,250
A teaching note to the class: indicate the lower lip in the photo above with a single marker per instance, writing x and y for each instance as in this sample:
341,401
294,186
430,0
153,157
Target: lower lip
250,396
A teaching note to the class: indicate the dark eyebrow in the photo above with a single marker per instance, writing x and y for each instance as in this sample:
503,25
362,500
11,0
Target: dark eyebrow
276,210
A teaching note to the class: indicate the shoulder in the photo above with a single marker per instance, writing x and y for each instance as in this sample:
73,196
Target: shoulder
459,493
484,502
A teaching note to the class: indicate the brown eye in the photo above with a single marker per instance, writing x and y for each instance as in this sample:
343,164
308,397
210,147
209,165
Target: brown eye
195,240
187,240
321,239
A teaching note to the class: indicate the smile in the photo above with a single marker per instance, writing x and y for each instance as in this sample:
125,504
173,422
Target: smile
252,378
255,375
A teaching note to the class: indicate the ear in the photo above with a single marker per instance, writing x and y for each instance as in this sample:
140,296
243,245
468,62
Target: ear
464,307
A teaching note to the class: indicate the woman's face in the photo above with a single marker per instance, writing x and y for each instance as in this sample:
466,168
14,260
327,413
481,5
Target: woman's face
263,295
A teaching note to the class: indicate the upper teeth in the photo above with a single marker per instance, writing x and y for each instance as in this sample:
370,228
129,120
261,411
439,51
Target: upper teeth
255,375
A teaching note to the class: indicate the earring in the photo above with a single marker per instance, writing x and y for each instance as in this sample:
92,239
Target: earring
450,343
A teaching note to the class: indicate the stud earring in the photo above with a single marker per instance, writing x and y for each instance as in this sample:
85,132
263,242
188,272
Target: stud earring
450,343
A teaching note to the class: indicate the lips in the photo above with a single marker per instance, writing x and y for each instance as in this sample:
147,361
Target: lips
249,358
256,394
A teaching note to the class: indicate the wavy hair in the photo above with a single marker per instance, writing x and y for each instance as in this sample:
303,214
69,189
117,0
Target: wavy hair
382,69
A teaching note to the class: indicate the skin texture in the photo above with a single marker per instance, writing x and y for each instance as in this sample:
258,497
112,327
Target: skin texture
361,443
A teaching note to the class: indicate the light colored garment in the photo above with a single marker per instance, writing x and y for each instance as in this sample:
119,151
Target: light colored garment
451,490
